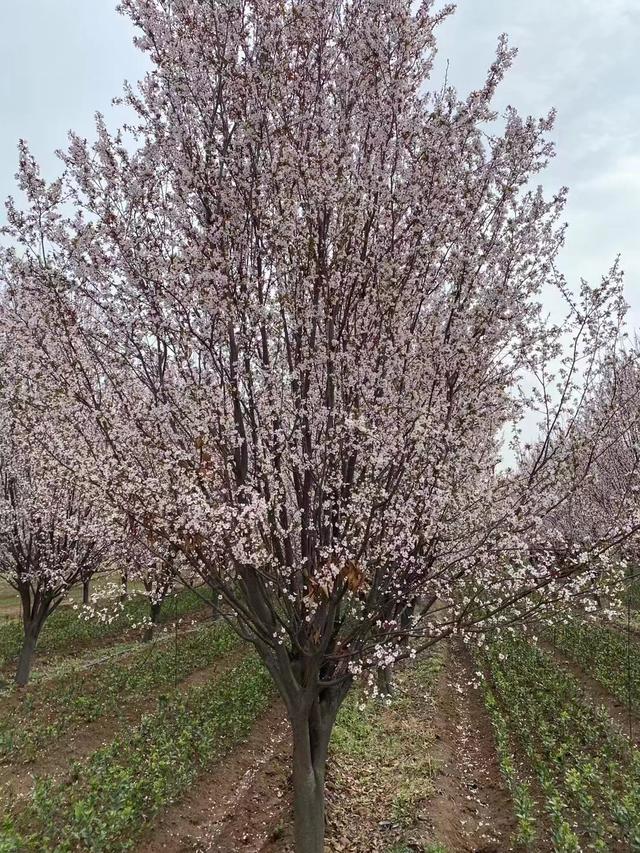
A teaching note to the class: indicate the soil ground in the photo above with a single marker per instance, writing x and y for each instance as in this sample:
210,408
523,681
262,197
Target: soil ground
472,810
240,805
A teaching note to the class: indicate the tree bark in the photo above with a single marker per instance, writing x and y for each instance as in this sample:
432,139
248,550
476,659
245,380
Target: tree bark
25,661
85,591
154,613
385,680
311,737
124,580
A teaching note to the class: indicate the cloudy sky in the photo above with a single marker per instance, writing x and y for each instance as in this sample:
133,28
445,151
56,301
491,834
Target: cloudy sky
60,60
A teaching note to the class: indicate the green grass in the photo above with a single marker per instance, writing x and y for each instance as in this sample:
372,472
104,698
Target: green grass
9,601
356,729
116,793
606,655
381,762
62,704
65,632
587,773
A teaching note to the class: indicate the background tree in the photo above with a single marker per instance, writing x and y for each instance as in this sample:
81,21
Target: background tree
155,565
49,536
298,297
606,507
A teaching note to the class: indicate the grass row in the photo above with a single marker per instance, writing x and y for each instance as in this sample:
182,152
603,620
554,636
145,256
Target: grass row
67,630
607,655
518,785
59,705
114,794
381,769
588,775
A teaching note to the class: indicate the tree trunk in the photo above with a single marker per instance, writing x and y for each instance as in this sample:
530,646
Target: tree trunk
85,591
25,661
154,614
310,746
385,680
124,580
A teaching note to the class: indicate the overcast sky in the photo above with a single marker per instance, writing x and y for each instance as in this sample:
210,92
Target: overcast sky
61,60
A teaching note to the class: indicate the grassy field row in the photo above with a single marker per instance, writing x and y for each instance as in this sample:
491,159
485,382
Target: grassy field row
109,799
31,722
68,631
517,783
607,655
568,766
115,793
381,769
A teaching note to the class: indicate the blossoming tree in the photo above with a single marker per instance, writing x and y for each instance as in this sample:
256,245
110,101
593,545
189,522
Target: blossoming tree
50,536
298,296
606,507
155,565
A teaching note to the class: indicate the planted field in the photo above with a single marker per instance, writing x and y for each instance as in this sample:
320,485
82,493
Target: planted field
30,723
609,654
574,779
110,798
181,745
68,631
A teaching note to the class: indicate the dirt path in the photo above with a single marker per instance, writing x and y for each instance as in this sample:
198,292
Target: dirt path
16,780
472,810
241,805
